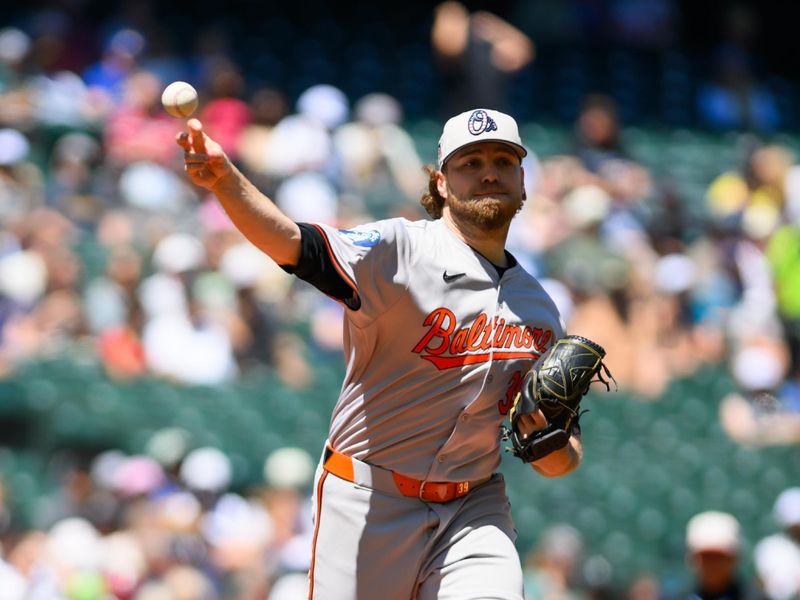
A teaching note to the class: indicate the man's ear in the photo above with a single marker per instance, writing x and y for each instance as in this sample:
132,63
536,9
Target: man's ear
441,184
522,182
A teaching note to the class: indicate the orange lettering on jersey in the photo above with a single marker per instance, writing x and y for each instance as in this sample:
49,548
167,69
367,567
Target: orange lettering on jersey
459,345
527,337
486,342
500,327
475,331
510,334
482,340
436,321
514,386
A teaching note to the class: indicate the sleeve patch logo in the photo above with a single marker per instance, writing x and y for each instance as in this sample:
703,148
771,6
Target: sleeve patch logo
366,239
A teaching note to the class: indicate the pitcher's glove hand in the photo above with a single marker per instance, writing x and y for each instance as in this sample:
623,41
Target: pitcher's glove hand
555,385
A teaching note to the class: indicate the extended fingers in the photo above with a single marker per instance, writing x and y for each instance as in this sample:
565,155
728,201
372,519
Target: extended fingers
203,158
196,135
182,140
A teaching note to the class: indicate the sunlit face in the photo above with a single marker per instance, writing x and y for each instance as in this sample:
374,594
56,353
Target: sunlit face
483,185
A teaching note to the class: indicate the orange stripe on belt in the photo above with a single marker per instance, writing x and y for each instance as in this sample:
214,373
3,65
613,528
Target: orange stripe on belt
341,465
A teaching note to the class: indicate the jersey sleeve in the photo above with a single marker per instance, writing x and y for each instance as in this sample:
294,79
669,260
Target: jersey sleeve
316,267
370,260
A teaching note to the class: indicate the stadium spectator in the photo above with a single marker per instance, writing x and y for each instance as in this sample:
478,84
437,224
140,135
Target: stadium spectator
381,170
783,254
225,113
138,129
15,97
477,54
777,556
21,181
268,105
598,133
552,568
106,77
714,545
734,99
762,411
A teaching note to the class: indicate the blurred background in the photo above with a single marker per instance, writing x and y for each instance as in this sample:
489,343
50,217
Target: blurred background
165,389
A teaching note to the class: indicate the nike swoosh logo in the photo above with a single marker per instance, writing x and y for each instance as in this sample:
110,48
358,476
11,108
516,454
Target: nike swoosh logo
451,278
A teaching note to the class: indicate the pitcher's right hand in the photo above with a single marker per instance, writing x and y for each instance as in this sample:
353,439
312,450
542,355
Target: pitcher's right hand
204,159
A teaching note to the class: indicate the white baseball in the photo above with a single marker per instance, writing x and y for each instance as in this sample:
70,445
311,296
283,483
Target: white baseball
179,99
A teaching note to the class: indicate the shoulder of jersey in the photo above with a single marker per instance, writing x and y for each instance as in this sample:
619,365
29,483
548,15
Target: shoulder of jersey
369,235
419,227
419,224
402,226
417,231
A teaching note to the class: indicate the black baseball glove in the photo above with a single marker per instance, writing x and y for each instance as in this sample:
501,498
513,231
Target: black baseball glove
555,385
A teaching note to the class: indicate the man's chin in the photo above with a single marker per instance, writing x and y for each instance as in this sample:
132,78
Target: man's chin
494,198
487,214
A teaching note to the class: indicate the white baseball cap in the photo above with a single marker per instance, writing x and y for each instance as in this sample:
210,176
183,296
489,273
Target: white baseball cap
713,531
787,507
478,125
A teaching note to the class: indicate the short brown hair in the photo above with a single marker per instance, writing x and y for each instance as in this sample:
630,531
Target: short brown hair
432,200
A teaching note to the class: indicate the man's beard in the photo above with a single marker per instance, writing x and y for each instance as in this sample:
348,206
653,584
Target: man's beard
487,212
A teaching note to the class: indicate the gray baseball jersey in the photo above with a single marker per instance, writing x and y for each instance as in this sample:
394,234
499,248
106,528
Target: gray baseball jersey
435,355
437,344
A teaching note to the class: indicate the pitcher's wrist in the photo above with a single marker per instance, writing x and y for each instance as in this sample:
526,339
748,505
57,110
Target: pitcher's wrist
224,181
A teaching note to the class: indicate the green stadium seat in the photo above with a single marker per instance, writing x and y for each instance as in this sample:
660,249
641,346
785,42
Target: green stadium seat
651,524
591,521
618,547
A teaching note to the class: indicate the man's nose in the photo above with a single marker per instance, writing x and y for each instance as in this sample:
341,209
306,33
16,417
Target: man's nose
489,175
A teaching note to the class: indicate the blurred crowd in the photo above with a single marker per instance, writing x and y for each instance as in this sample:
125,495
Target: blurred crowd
720,562
103,242
105,247
162,525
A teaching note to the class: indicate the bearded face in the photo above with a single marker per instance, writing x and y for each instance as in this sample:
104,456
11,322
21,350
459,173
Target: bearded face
483,186
485,211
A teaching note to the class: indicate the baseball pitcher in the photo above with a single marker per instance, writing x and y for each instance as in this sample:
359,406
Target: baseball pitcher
446,337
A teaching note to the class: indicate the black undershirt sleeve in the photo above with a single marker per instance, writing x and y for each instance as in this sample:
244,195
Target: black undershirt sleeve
316,267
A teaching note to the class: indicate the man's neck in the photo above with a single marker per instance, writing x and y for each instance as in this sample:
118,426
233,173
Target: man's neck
490,243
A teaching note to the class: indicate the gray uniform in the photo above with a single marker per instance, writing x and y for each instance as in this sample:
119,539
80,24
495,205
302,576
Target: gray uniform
434,355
